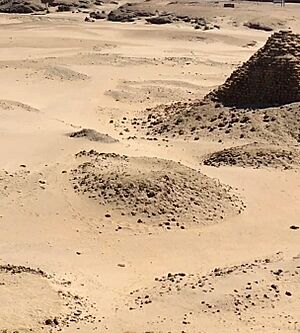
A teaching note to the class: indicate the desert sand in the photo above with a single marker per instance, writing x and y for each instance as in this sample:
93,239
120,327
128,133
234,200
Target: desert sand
128,203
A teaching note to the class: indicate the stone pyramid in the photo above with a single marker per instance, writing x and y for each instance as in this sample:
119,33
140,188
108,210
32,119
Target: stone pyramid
271,77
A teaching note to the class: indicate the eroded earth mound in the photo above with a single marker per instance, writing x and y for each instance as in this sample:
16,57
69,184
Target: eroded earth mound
93,135
251,295
153,191
33,301
255,155
207,119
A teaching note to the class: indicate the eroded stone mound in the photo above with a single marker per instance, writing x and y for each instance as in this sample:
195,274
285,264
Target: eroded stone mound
93,135
255,155
152,190
270,77
33,301
243,295
20,6
129,12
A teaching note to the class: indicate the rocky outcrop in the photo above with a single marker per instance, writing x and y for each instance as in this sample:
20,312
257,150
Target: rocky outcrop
21,7
131,12
164,19
128,13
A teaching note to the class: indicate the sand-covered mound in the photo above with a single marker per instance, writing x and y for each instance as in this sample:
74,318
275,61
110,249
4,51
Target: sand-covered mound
7,105
93,135
270,77
209,120
33,301
248,296
61,73
153,191
255,155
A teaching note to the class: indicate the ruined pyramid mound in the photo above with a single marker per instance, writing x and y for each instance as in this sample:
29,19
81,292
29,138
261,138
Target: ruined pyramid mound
270,77
255,155
153,191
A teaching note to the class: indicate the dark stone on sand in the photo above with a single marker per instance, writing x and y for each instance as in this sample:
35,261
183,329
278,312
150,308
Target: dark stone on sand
49,322
98,15
128,13
160,19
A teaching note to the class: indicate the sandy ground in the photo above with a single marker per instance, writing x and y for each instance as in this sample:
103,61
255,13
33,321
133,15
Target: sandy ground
58,75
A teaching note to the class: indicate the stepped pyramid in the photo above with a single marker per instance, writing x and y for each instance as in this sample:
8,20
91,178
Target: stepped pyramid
271,77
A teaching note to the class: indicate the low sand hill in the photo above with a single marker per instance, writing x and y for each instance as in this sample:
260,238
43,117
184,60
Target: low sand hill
93,135
255,155
270,77
199,119
250,296
34,302
153,191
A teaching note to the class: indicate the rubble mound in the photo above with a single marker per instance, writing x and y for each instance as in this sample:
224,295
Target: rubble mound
270,77
34,301
93,135
255,155
243,295
152,190
207,119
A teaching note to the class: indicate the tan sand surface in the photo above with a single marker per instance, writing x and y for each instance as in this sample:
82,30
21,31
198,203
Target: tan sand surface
81,266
